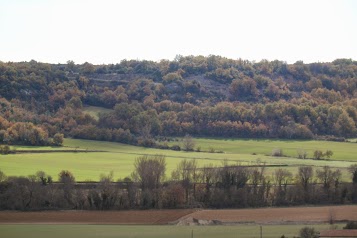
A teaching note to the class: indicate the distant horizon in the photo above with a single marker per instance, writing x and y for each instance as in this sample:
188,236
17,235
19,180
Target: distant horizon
158,61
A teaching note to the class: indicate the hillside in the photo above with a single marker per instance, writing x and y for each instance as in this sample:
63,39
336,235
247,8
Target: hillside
201,96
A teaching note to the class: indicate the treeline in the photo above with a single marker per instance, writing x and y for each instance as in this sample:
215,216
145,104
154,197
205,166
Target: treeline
201,96
189,186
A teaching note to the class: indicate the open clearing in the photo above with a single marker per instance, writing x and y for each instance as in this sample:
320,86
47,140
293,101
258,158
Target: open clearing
119,158
94,111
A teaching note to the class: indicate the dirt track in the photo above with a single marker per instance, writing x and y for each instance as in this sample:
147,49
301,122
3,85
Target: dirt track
279,215
150,217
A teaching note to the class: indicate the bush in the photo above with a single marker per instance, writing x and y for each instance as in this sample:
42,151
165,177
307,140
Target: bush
211,149
176,147
5,149
58,139
277,152
146,142
351,225
302,154
318,154
308,232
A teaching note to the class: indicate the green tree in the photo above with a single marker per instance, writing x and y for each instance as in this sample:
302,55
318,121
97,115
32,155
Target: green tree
58,139
308,232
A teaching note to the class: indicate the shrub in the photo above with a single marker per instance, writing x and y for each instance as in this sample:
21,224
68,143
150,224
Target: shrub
308,232
5,149
302,154
351,225
58,139
176,147
277,152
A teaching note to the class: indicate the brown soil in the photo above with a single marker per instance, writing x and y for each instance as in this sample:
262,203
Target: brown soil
94,217
298,215
279,215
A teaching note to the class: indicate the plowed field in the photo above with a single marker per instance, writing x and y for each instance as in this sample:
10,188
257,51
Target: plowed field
293,215
279,215
147,217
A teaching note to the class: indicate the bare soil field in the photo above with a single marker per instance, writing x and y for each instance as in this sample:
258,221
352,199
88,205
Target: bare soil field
147,217
291,215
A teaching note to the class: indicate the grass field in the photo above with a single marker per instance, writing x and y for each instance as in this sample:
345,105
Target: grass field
89,231
94,111
343,151
119,158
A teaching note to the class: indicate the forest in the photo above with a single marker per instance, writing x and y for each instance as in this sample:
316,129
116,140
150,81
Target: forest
201,96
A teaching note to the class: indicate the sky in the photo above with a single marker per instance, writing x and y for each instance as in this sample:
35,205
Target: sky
108,31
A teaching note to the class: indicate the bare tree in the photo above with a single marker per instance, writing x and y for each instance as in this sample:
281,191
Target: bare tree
187,173
302,154
108,192
353,170
149,171
281,177
329,178
305,175
277,152
67,179
188,143
304,179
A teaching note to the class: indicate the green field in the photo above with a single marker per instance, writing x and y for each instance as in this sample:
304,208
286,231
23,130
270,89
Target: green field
343,151
94,111
89,231
119,158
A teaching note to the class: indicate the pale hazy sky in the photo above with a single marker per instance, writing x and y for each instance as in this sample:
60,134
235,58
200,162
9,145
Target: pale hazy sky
107,31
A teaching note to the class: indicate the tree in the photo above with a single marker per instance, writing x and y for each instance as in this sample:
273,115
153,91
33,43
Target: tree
58,139
67,179
172,78
351,225
2,176
304,179
26,133
43,177
345,125
149,171
186,173
245,88
302,154
328,178
318,154
277,152
188,144
66,176
308,232
282,178
108,192
5,149
353,170
328,154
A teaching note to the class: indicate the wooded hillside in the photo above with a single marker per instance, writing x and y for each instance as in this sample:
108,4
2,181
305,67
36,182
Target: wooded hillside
201,96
